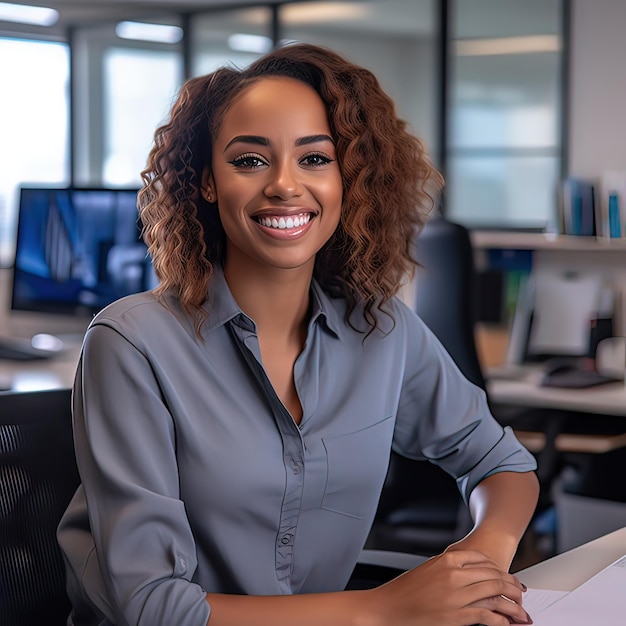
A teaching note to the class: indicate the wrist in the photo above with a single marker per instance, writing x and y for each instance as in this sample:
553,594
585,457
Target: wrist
493,543
364,608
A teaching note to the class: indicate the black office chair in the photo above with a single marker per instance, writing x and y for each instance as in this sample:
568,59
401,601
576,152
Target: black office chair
38,477
421,510
445,292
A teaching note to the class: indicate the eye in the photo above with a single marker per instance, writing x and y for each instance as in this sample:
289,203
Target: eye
316,159
248,161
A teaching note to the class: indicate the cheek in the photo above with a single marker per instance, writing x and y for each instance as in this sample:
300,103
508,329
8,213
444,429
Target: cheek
232,199
331,191
334,201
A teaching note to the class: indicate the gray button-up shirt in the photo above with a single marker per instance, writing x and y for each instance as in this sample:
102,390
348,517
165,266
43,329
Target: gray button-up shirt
196,479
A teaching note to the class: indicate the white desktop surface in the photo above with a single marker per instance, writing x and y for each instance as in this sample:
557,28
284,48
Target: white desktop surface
54,373
520,386
566,571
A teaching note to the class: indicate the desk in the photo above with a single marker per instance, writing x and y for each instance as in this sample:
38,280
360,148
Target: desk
57,372
546,434
563,572
570,569
519,387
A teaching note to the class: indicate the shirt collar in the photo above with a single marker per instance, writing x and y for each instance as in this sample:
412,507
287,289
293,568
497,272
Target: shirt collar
326,309
222,307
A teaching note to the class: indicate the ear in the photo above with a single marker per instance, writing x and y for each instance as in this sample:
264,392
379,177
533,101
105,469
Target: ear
207,186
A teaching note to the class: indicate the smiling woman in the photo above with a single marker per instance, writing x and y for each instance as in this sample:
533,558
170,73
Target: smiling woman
278,193
371,154
233,476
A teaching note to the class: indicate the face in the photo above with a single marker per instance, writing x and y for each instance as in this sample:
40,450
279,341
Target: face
275,177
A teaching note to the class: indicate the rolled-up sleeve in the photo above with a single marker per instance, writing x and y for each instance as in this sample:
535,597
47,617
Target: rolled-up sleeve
444,418
125,445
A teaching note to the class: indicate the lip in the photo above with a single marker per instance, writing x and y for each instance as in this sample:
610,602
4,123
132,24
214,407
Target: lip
283,212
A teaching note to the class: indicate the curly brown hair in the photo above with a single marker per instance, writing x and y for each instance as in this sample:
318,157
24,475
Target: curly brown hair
389,183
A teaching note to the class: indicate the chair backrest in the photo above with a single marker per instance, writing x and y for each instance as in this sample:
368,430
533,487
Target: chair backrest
445,288
38,477
421,508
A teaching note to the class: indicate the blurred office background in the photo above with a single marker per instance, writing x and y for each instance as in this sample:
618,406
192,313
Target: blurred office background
510,96
483,82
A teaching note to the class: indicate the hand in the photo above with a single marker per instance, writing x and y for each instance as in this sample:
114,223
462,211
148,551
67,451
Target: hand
456,588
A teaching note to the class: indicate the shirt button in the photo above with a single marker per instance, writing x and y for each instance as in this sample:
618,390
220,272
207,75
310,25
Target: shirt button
286,539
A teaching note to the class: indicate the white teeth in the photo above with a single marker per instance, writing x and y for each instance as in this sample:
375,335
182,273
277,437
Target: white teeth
293,221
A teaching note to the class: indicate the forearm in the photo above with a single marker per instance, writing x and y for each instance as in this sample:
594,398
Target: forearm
456,588
320,609
502,506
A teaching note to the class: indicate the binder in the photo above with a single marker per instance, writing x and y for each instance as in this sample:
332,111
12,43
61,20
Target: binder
578,207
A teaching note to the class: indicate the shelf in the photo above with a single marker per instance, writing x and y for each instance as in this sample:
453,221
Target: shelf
543,241
569,442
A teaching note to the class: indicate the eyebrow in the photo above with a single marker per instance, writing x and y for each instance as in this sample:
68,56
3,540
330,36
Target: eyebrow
264,141
305,141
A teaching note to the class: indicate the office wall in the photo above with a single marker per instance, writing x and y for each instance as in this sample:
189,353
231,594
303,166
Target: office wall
597,110
598,87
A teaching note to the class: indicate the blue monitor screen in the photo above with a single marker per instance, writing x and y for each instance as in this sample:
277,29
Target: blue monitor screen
77,250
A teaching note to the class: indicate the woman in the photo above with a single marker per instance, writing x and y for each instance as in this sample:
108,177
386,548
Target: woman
233,428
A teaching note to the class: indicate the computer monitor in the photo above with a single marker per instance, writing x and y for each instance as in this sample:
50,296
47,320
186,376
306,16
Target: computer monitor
77,250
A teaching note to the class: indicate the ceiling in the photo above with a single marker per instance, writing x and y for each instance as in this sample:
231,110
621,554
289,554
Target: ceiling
81,12
392,16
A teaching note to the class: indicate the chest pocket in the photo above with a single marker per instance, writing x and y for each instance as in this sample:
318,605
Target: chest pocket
356,465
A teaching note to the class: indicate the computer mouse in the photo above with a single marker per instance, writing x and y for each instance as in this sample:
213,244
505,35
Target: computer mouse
46,341
558,367
40,346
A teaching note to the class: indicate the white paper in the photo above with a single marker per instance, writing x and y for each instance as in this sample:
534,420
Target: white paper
600,601
564,306
536,600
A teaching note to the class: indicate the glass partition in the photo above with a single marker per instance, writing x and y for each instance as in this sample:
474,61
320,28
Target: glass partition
235,37
34,124
503,154
123,91
504,142
134,105
395,39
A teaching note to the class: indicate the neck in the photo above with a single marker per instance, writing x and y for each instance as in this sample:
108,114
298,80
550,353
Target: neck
277,300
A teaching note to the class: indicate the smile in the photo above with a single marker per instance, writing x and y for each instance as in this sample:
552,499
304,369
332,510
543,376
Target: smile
282,223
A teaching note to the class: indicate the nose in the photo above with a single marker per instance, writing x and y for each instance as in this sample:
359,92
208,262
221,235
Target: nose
284,182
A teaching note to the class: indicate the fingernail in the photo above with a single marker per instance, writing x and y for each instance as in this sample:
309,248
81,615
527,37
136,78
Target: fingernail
529,619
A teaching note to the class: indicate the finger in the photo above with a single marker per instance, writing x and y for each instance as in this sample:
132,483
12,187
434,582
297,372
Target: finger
488,570
485,582
474,558
487,591
505,606
516,613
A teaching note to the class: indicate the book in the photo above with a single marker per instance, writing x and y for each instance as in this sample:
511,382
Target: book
578,206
